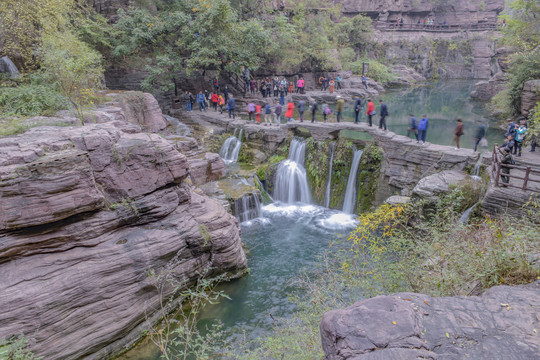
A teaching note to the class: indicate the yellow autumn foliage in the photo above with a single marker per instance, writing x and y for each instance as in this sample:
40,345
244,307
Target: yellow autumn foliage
23,23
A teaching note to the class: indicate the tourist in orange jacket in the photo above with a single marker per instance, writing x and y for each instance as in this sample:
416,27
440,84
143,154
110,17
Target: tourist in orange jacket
370,111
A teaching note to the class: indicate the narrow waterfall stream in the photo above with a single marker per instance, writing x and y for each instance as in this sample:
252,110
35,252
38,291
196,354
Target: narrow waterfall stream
8,67
350,194
248,207
477,168
327,194
231,147
180,128
291,179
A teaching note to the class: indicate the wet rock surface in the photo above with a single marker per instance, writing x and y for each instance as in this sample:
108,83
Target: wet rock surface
501,324
432,186
85,212
530,96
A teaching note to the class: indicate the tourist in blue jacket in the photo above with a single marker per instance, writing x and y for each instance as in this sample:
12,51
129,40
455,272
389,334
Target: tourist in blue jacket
201,101
232,105
422,129
267,115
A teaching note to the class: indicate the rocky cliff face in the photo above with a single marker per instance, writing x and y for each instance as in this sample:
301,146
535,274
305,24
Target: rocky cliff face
453,11
85,212
500,324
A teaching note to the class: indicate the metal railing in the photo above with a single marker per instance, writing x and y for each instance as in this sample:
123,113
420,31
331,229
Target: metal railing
436,28
496,166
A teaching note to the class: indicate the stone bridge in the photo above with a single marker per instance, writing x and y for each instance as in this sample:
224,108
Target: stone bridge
404,163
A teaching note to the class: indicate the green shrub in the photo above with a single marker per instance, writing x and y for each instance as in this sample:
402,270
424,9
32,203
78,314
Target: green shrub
31,100
377,71
501,104
16,348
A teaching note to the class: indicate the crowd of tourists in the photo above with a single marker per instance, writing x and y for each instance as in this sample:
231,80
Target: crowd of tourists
272,111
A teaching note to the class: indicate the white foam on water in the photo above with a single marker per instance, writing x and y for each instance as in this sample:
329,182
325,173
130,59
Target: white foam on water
338,221
290,210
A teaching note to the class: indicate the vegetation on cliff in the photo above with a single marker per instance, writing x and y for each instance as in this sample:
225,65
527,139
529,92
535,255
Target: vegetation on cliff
194,36
45,40
523,34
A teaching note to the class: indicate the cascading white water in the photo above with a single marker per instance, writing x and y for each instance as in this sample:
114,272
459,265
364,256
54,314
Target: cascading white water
477,167
8,67
350,194
248,207
181,128
291,180
231,147
329,182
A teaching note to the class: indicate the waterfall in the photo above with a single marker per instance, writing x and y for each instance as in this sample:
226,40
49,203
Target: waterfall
181,128
477,167
329,182
264,192
291,179
350,194
8,67
231,147
248,207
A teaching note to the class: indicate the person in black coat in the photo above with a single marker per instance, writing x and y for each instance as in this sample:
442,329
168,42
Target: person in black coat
384,114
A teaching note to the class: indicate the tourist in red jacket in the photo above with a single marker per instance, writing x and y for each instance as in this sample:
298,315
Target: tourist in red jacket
370,111
215,99
290,111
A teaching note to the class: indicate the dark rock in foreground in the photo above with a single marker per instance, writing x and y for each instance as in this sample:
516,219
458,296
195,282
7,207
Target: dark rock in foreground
503,323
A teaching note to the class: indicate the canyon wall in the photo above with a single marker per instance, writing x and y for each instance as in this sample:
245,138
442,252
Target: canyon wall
85,213
453,11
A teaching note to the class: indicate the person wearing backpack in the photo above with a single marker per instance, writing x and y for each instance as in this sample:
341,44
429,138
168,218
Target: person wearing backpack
508,160
384,114
422,129
370,111
250,110
314,108
521,132
326,111
413,127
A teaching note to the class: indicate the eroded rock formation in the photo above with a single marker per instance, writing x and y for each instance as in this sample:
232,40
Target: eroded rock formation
500,324
85,212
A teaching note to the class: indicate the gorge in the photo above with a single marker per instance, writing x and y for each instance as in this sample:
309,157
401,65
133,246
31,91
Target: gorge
308,236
